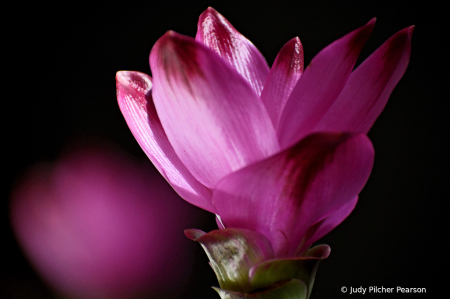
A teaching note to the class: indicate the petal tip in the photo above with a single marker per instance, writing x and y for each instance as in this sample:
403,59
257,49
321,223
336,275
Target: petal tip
122,76
411,30
130,82
194,234
175,55
370,25
363,32
210,9
122,81
295,41
408,31
165,38
126,77
171,33
209,12
320,252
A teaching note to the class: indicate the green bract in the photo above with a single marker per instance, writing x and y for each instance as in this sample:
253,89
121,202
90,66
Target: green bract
292,289
246,267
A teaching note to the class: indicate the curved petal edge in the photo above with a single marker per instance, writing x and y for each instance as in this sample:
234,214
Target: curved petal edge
135,102
283,76
295,189
320,85
217,33
214,121
368,88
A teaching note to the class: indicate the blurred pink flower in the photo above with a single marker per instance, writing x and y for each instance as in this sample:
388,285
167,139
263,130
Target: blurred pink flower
280,151
95,225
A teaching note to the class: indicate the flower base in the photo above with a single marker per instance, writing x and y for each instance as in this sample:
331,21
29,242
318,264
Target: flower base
246,266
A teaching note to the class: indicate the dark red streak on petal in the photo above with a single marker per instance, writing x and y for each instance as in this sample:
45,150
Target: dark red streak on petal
312,154
179,58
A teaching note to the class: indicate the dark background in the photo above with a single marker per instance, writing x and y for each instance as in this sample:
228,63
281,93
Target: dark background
60,67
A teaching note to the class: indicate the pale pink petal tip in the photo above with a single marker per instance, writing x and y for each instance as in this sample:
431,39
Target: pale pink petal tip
136,104
132,83
283,76
218,34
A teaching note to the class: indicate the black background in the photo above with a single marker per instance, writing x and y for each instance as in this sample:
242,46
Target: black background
60,67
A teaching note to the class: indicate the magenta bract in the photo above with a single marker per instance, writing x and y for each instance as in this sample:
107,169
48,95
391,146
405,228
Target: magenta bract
281,151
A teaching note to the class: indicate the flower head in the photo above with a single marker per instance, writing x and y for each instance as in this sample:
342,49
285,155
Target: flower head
281,151
95,225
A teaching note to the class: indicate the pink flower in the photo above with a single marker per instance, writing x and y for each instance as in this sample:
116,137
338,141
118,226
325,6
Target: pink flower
282,150
95,225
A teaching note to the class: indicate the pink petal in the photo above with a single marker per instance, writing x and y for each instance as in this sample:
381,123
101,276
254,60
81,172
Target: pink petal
135,102
283,76
215,32
214,121
284,195
320,85
327,224
369,86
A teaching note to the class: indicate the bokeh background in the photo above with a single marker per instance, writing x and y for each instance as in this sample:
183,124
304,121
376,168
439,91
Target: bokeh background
60,89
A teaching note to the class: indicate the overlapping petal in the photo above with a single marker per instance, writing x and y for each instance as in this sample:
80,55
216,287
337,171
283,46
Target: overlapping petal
212,118
369,86
135,102
268,144
327,224
320,85
284,195
218,34
283,76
